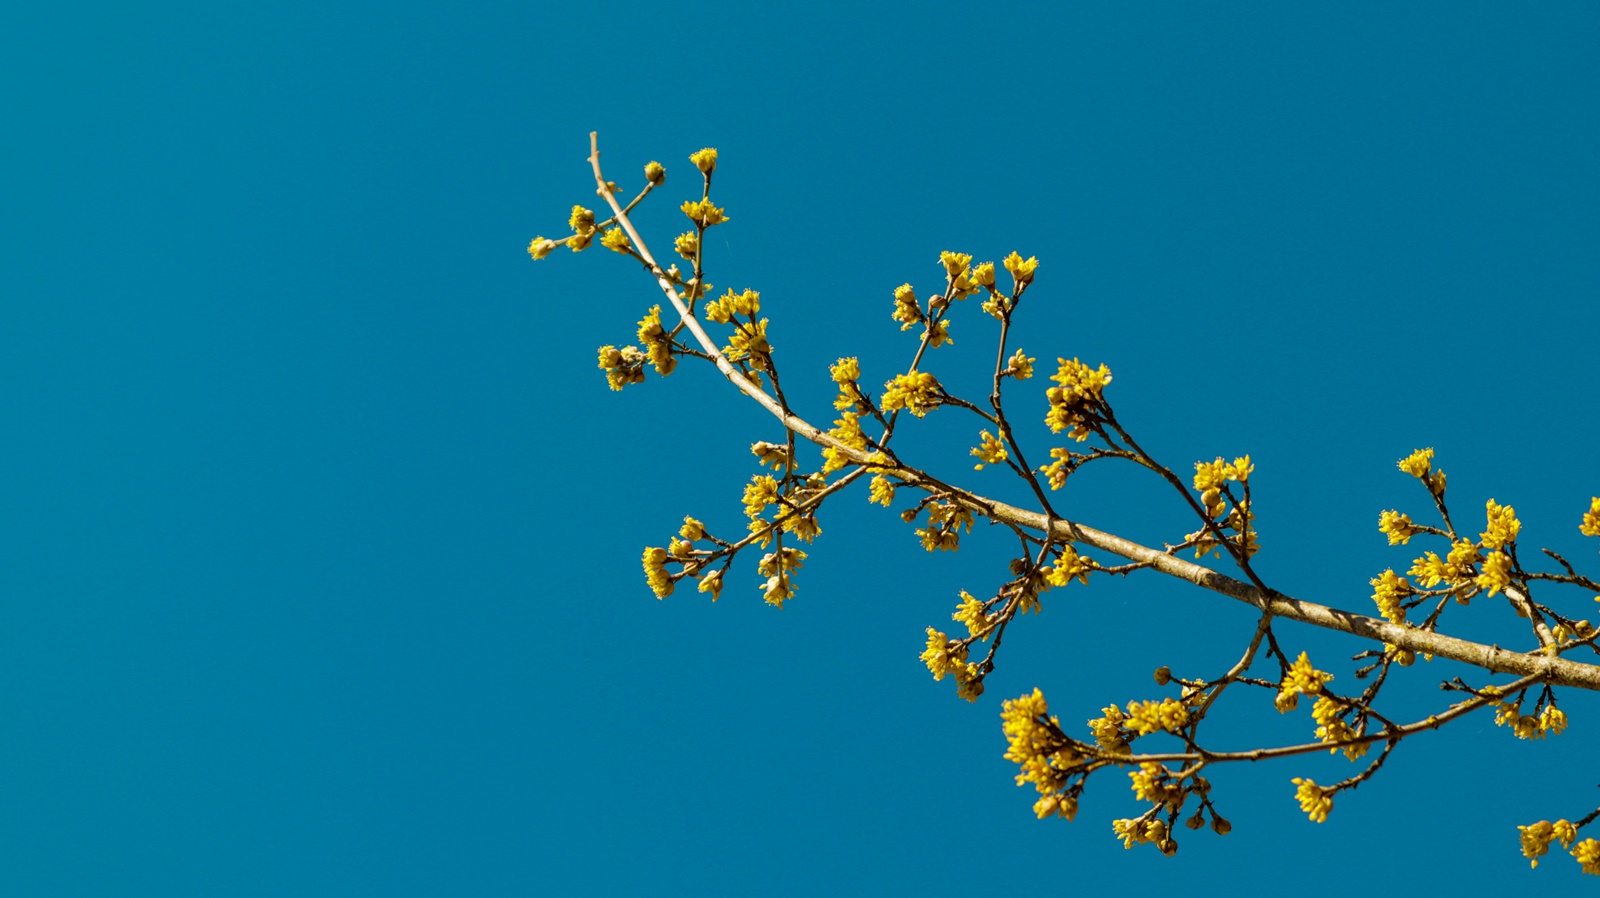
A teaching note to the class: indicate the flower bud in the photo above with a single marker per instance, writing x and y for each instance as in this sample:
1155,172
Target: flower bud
655,173
1220,825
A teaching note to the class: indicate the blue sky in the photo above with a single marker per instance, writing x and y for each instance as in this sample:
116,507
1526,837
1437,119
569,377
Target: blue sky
323,528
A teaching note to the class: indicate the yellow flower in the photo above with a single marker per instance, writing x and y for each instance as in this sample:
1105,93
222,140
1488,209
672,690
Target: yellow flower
941,654
1021,366
1591,524
1536,839
1072,404
1418,463
1333,729
1021,271
846,430
622,366
845,370
703,213
906,309
1314,801
1397,526
692,529
616,240
1302,678
1069,566
540,247
1150,782
581,221
918,393
1389,590
580,242
1587,853
1168,715
990,451
1496,573
654,173
939,334
1552,720
705,160
972,613
1107,730
760,492
712,583
983,275
751,342
687,244
881,491
955,264
655,573
1503,526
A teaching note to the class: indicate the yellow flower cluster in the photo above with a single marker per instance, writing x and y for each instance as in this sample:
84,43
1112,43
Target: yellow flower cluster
1527,726
939,334
1057,471
1072,404
1331,728
945,520
776,567
906,309
1302,679
775,455
958,275
1021,270
1168,715
622,366
616,240
972,613
1034,743
687,244
541,247
656,342
1020,366
917,392
1495,574
1503,526
705,160
1210,477
1587,853
1389,590
881,491
1419,464
1068,566
722,310
1135,832
1398,527
943,656
990,451
1152,782
1536,838
1591,521
1314,800
1108,731
760,492
703,213
846,430
1455,569
655,571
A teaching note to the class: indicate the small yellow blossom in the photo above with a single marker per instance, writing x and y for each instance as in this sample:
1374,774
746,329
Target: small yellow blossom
906,309
1302,679
692,529
1536,839
1314,801
1418,463
846,430
654,173
1552,720
687,244
1496,573
581,221
1389,590
941,656
712,583
990,451
1503,526
1587,853
955,264
845,370
1151,782
655,561
1108,731
760,492
1398,527
1021,271
1072,404
917,392
540,247
749,342
1591,524
616,240
705,160
1068,566
983,275
881,491
622,366
703,213
1332,728
1021,366
580,242
1168,715
972,613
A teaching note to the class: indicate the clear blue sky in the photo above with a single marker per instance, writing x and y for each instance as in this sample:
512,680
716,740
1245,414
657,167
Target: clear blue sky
322,528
